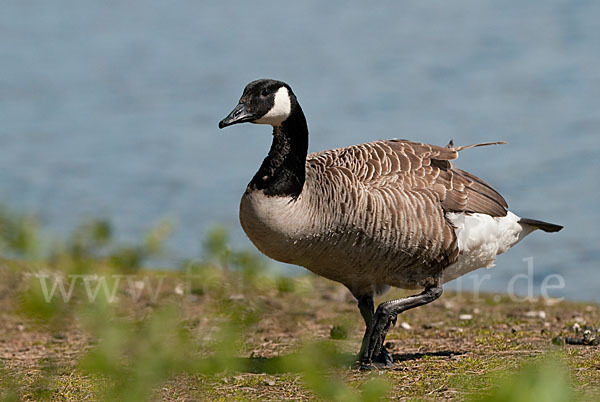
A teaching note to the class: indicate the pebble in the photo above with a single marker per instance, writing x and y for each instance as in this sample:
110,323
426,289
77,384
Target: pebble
536,314
431,325
405,325
465,317
449,305
179,289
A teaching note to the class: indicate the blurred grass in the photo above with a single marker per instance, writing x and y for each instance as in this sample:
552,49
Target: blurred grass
546,380
214,330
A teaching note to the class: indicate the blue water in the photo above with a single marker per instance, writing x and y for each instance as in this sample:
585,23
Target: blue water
110,108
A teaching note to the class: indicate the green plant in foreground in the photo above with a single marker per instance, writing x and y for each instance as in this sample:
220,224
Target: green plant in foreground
19,234
545,380
138,356
316,361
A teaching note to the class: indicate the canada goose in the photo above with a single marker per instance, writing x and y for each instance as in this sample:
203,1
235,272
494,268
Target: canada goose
374,215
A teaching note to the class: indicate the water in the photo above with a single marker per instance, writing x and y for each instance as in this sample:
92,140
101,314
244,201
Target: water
111,108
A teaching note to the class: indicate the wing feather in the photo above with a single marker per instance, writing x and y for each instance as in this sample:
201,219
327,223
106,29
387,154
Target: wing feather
417,166
398,192
459,191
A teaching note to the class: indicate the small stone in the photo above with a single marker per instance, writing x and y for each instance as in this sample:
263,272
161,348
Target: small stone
179,289
476,311
405,325
431,325
536,314
465,317
449,305
579,320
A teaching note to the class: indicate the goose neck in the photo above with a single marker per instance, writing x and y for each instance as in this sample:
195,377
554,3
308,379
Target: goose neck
283,171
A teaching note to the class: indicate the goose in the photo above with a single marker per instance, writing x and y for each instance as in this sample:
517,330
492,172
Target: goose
387,213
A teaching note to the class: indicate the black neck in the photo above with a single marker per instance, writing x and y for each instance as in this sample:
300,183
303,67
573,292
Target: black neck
282,173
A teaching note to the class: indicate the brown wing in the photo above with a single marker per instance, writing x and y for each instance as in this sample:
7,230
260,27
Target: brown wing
413,166
395,193
459,191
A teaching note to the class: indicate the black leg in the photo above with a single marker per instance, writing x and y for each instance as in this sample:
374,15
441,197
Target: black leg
386,314
367,310
367,307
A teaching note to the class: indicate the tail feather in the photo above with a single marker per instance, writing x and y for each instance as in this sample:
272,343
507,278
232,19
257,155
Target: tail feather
545,226
482,144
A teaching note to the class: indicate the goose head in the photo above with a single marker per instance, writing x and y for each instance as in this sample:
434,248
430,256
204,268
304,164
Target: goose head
263,101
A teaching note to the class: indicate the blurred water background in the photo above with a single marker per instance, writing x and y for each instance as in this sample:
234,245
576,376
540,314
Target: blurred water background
110,108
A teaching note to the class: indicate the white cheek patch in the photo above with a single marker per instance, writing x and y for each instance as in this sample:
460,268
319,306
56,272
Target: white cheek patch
282,107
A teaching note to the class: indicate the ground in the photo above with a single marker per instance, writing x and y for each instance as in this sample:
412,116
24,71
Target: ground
228,336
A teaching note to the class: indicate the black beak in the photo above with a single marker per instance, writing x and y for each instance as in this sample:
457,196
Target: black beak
238,115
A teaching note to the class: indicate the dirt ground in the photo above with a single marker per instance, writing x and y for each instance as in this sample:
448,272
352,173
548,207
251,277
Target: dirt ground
452,348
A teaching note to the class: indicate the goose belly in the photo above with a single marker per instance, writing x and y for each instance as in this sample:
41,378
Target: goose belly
290,231
481,238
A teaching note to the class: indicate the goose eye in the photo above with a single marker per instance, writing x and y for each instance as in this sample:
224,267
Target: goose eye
265,92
